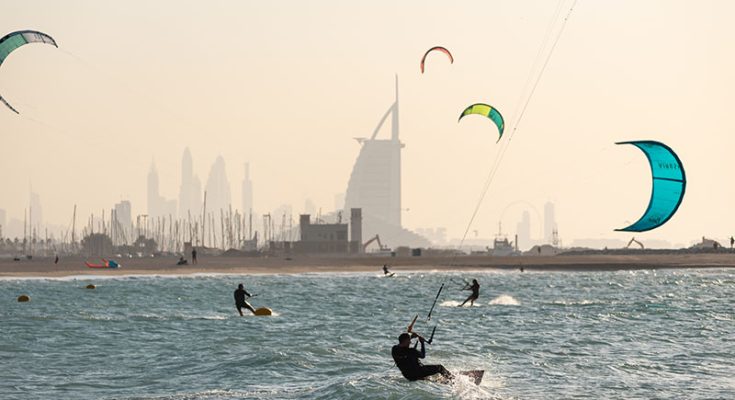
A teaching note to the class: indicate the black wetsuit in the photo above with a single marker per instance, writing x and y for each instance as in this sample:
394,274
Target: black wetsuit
240,302
407,360
475,291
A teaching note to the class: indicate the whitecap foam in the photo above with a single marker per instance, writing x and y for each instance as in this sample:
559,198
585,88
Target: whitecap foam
454,303
505,300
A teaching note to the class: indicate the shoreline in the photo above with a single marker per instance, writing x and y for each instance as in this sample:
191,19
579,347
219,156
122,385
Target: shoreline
74,266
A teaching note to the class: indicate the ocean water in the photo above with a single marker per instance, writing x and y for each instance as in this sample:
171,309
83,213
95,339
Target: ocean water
539,335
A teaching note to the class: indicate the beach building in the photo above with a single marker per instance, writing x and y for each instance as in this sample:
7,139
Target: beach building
333,238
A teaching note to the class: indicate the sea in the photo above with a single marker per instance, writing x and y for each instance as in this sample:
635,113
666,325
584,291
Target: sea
644,334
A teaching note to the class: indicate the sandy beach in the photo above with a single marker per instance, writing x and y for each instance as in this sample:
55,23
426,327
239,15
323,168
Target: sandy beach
45,267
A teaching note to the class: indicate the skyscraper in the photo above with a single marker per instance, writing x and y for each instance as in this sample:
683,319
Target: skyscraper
218,188
35,214
549,222
524,231
190,191
157,205
153,198
375,185
123,231
123,214
247,191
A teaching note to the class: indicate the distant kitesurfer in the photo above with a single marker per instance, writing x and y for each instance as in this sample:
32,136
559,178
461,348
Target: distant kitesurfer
194,255
475,288
240,302
385,269
407,359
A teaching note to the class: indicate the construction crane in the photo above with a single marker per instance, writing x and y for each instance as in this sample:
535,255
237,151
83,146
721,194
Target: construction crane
375,238
636,242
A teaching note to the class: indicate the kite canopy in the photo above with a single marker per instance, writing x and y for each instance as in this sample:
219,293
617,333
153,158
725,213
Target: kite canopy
669,183
487,111
8,105
436,48
14,40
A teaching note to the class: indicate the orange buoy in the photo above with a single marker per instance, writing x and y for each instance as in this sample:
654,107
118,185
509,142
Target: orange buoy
91,286
24,298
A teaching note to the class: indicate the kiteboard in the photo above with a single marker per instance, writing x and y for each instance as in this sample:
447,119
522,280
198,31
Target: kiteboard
474,375
263,311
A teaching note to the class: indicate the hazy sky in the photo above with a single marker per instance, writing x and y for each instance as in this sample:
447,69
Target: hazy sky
286,86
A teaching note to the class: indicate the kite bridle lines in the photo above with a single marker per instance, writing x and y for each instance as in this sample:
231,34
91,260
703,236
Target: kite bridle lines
516,121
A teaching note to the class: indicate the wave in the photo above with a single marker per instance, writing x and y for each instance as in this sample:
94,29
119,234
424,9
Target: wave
504,300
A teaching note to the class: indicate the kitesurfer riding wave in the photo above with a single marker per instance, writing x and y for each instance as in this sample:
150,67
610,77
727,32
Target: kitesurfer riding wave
408,359
475,288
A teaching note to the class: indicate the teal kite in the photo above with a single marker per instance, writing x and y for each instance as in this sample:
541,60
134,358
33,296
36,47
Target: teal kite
669,184
14,40
487,111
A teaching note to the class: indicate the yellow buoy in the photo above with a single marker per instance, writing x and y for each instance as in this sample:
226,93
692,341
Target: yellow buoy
24,298
91,286
263,311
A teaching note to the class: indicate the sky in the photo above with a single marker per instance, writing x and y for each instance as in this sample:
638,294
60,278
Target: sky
286,86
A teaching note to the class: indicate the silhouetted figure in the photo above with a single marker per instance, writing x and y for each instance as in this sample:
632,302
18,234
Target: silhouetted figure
407,359
522,269
385,269
240,302
475,288
182,261
732,241
56,260
194,255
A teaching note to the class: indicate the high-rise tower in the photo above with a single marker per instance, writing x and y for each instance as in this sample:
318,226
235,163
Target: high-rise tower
218,188
549,222
375,184
153,196
247,191
190,191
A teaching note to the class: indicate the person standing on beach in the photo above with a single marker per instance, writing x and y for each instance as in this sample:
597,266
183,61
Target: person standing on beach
475,288
194,255
240,302
407,359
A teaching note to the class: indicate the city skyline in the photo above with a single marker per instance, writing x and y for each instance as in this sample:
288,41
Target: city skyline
601,86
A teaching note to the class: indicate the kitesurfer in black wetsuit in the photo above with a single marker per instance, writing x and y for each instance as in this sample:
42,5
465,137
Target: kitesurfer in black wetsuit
240,302
475,288
407,359
385,269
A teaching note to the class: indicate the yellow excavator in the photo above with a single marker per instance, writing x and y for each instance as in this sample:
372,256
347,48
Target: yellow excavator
636,242
375,238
